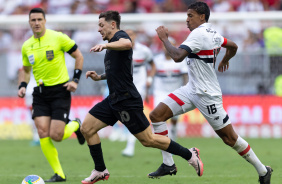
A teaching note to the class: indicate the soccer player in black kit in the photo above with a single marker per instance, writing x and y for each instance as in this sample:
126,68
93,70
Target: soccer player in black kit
124,103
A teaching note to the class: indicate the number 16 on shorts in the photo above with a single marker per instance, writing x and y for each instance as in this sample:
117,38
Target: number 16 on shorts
211,109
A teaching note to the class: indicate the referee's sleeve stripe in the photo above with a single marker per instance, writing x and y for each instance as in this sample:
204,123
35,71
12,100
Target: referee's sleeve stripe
72,49
185,47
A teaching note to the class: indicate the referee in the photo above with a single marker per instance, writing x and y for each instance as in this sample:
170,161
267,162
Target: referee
44,54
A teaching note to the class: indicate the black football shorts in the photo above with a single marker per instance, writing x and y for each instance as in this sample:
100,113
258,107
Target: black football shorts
134,119
53,101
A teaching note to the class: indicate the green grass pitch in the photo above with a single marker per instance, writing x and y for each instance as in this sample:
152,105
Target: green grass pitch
222,165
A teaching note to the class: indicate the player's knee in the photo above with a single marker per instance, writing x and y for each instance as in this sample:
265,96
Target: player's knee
84,130
87,130
155,117
42,133
56,136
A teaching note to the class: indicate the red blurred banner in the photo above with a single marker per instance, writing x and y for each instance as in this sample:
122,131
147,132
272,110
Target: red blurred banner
252,116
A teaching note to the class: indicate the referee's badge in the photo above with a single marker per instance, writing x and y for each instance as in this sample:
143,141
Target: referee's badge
31,59
50,54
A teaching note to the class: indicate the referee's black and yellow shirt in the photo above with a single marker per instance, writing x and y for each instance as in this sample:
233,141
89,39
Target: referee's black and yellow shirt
46,55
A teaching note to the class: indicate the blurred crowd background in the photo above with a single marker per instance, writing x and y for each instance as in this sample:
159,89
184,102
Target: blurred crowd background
9,7
259,41
250,87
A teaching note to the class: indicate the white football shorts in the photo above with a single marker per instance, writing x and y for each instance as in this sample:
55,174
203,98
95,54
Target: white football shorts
159,96
181,101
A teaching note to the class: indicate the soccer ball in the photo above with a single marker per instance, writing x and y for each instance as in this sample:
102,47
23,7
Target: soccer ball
33,179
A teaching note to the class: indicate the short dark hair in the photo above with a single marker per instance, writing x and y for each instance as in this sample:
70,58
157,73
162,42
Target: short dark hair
111,15
37,10
201,8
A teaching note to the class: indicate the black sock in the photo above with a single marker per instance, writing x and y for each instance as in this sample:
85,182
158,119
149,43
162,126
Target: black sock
97,156
177,149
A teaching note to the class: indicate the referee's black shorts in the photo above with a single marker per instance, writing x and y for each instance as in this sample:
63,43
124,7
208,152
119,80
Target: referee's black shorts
53,101
134,119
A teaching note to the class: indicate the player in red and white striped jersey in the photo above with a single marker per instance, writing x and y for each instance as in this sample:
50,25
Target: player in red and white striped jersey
203,91
169,77
142,79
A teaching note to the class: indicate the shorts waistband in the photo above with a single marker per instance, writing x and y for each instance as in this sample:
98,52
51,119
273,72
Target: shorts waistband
54,86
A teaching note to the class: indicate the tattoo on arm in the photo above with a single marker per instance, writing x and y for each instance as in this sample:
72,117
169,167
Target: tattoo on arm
103,76
173,51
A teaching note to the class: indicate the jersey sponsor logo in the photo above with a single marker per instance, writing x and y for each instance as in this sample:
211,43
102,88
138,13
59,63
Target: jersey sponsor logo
209,30
217,40
50,54
31,59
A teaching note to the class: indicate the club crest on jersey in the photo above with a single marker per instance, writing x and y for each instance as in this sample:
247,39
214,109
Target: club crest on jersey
31,59
50,54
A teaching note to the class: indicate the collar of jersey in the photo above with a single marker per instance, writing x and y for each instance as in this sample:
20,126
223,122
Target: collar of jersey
205,25
42,37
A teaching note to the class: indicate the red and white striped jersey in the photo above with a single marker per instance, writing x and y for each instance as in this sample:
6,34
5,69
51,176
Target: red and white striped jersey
169,75
141,56
203,44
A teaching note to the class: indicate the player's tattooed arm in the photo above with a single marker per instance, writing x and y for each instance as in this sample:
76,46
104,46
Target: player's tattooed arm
177,54
94,76
103,76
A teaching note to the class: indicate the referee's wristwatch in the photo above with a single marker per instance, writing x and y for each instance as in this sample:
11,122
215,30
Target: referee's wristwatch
76,80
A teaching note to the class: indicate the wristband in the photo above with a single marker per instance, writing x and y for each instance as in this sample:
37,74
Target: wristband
76,75
75,80
150,79
23,84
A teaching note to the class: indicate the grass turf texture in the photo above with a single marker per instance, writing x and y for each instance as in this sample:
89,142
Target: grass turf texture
222,165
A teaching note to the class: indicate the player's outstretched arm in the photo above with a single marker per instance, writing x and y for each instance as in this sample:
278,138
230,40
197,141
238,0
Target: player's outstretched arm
231,49
98,48
177,54
121,44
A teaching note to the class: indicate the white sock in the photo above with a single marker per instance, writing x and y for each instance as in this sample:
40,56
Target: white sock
130,142
161,129
244,149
